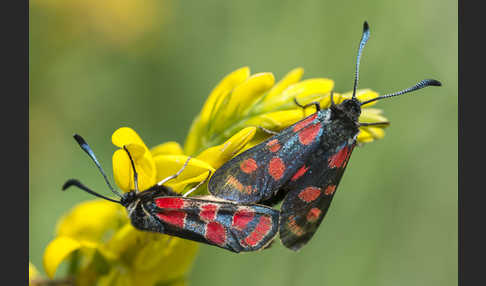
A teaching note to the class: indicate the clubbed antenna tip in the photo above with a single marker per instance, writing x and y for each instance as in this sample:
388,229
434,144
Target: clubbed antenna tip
433,82
366,27
82,143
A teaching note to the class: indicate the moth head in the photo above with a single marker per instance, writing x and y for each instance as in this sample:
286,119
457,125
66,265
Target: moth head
128,198
349,109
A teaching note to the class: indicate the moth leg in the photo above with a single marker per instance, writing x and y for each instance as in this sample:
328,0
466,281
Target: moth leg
379,124
130,211
145,211
198,185
315,103
332,98
150,222
176,174
268,131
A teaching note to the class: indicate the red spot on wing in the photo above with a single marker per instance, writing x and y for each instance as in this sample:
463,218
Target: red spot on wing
261,230
299,173
294,227
242,217
233,182
309,194
208,212
330,190
273,145
176,218
276,168
338,159
216,233
304,122
169,203
307,135
313,215
347,156
248,166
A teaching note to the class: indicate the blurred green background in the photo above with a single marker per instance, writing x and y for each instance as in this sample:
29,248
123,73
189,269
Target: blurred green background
98,65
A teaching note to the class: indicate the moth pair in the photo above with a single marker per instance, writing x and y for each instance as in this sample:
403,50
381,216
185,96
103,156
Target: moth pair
302,166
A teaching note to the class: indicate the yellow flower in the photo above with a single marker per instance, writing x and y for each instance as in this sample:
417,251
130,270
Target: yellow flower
97,237
242,100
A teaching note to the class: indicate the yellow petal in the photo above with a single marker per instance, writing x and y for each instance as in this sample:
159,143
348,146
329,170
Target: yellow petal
278,120
361,94
126,135
374,111
92,220
369,116
167,148
58,250
123,170
120,277
125,240
246,93
137,151
367,94
305,91
376,132
218,155
33,273
168,165
364,136
325,102
180,185
122,167
227,84
290,78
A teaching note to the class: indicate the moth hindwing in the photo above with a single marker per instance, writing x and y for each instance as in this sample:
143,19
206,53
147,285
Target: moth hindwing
303,164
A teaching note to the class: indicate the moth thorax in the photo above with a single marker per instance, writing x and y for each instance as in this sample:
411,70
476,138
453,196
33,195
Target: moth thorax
348,110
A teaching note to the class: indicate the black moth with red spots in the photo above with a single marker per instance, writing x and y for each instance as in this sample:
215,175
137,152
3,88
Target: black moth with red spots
233,226
303,164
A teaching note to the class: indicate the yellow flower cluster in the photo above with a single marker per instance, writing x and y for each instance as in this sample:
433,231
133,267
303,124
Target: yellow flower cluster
97,236
242,100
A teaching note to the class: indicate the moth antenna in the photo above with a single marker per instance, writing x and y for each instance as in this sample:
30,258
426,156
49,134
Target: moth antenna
82,143
420,85
78,184
176,174
135,174
364,38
